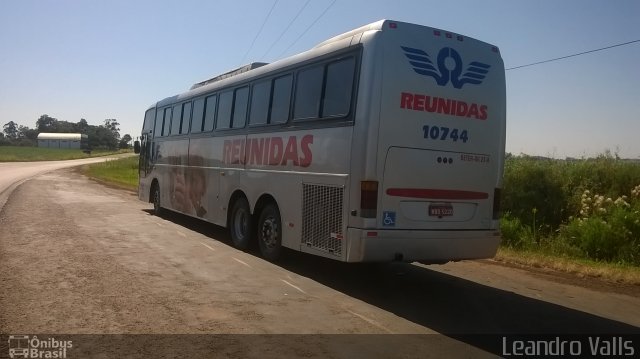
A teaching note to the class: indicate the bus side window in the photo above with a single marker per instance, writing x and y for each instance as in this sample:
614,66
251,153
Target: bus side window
241,99
157,130
149,118
308,93
260,103
177,117
281,99
338,88
210,113
186,118
166,123
198,114
224,110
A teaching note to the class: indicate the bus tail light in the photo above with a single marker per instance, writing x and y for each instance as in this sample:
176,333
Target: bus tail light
496,203
368,199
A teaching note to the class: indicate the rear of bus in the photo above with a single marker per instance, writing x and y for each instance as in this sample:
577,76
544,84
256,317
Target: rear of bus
431,192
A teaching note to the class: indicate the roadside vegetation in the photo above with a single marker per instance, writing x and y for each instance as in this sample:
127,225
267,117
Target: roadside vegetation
122,172
101,137
26,154
573,215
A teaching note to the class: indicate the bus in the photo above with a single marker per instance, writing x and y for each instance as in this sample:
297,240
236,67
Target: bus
385,143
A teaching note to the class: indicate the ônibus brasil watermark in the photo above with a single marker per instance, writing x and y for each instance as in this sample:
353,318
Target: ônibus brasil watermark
25,346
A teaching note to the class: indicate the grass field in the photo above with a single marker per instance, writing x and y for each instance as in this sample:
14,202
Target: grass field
28,154
121,173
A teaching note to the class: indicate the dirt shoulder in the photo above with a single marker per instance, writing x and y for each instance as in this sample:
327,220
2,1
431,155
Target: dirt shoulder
598,283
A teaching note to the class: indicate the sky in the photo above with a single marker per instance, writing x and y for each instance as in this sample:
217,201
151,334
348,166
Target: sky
97,59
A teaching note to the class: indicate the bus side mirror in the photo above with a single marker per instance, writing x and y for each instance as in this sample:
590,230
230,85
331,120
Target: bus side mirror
136,147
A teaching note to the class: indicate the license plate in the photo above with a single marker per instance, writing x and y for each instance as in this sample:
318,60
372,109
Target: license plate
440,210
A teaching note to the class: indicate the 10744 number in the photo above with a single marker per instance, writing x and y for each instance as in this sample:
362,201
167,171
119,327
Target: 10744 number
444,133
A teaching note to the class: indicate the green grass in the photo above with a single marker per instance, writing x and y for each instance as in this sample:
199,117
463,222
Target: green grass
28,154
121,173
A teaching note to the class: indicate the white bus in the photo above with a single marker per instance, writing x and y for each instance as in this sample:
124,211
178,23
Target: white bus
383,143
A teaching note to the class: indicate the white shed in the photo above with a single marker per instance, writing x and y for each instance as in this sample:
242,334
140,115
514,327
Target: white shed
62,140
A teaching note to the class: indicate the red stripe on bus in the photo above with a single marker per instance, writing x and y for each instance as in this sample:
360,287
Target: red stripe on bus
436,193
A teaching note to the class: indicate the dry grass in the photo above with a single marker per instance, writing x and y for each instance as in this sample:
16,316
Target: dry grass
608,272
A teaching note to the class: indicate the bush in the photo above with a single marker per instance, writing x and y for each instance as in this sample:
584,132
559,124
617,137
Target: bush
607,229
577,208
553,188
535,190
515,234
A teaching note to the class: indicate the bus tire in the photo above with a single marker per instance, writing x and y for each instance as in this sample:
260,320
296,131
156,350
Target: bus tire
270,232
240,224
157,207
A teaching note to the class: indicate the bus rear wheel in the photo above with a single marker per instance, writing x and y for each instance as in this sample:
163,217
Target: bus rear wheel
270,232
240,224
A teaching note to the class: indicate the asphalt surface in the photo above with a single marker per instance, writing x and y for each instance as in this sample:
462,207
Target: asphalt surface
77,257
12,174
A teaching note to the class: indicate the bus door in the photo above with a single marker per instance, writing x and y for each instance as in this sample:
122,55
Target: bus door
145,154
146,143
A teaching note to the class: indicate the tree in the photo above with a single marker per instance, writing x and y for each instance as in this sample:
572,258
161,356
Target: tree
112,125
124,142
10,129
66,127
101,137
82,126
47,124
26,132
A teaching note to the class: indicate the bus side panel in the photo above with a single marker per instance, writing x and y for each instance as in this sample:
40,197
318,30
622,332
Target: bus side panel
228,151
205,162
171,169
364,147
305,171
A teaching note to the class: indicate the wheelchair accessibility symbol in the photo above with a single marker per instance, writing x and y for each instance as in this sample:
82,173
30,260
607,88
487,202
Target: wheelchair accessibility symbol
389,219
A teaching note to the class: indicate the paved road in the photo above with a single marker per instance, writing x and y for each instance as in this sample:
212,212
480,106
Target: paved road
12,174
78,257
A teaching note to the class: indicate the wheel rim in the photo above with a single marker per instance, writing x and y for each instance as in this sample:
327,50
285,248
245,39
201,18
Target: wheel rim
240,224
270,232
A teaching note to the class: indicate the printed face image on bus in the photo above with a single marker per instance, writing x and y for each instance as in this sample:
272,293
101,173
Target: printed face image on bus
383,143
188,186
